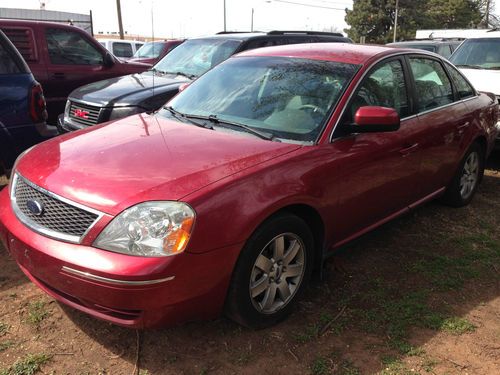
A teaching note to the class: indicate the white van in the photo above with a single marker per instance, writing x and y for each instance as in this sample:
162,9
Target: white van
123,49
478,58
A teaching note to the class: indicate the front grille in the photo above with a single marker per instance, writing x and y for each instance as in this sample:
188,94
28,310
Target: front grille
58,218
84,114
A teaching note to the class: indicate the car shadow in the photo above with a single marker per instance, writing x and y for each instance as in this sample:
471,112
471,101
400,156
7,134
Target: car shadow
493,162
386,295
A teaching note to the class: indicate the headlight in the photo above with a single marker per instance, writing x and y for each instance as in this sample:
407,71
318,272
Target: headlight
154,229
120,112
66,109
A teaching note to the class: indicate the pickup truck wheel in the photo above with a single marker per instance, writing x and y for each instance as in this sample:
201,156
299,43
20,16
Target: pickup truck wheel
467,178
271,272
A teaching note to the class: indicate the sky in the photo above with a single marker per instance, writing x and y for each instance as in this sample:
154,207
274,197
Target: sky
190,18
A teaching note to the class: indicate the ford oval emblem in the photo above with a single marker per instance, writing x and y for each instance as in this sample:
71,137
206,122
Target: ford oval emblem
35,207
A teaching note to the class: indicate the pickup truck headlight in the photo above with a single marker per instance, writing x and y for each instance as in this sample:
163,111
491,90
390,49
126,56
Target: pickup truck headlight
120,112
151,229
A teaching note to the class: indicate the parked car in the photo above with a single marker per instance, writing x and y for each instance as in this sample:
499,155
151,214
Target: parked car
443,47
478,59
230,197
119,97
124,49
62,58
152,52
22,107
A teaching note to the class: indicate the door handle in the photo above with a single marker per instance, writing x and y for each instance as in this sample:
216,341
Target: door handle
408,149
462,127
59,76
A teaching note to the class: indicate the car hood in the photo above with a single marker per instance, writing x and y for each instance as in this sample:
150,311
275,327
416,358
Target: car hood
127,90
484,79
113,166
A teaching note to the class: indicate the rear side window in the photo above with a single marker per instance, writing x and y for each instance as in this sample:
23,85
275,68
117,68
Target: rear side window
7,63
431,82
463,88
122,49
22,38
70,48
445,50
138,45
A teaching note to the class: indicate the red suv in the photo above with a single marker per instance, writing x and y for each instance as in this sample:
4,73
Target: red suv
62,58
231,197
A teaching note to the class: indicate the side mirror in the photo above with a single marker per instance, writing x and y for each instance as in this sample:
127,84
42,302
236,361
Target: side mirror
184,86
108,60
373,119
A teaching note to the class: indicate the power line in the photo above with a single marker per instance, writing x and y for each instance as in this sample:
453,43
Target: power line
306,5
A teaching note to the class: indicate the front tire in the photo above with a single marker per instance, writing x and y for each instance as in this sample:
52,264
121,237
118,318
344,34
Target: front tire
467,178
271,272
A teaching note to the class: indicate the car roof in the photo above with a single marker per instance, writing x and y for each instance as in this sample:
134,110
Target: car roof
340,52
423,42
242,36
11,22
489,34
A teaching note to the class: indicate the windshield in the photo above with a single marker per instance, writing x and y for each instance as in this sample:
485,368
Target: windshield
288,98
149,50
194,57
483,53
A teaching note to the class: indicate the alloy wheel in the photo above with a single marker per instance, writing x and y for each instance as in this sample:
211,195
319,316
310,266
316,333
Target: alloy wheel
470,175
277,273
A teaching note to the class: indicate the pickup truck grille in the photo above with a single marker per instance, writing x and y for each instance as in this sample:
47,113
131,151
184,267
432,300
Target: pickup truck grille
57,218
84,114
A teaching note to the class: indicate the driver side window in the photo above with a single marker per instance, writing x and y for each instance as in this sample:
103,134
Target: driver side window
384,87
70,48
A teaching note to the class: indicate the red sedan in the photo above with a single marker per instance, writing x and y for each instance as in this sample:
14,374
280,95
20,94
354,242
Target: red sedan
230,197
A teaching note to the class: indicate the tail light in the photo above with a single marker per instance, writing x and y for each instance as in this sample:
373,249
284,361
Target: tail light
38,107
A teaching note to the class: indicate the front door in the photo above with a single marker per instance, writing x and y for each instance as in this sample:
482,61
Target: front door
377,172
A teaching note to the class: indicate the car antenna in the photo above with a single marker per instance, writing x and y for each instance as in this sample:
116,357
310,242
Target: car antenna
153,37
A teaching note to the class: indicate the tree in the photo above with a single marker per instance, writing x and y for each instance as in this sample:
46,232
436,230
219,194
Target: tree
374,19
488,18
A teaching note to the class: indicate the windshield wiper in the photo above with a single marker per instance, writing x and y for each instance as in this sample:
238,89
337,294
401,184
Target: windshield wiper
190,76
214,119
467,66
181,116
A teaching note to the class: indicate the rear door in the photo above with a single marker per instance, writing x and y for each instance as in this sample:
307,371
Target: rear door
443,116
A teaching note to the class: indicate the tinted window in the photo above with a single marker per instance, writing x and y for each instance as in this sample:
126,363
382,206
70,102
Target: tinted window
70,48
288,98
7,63
138,45
478,53
122,49
384,87
464,89
432,84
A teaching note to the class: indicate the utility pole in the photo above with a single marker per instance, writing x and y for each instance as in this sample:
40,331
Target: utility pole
396,21
120,24
251,25
224,15
487,14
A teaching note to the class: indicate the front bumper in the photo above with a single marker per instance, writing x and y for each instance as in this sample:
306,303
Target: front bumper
129,291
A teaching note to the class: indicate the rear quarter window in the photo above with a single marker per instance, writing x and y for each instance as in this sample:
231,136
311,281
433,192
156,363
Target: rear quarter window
8,64
23,40
122,49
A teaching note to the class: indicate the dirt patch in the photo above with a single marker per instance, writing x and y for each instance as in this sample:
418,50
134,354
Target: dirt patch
419,295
